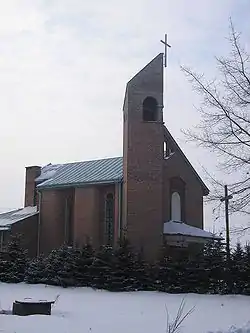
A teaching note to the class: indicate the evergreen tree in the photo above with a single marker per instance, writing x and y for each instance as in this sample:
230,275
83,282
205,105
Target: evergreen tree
63,267
237,269
195,275
246,274
205,263
60,267
126,269
66,275
35,271
14,266
84,263
143,273
101,269
171,271
163,279
178,274
3,266
214,263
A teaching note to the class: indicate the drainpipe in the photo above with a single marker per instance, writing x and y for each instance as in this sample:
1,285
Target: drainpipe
119,209
39,223
1,241
66,222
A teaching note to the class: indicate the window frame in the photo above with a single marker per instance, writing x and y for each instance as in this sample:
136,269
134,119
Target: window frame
150,107
109,219
179,186
176,206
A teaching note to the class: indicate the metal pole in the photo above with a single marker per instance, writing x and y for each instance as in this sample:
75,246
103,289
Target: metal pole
166,50
39,223
1,240
227,223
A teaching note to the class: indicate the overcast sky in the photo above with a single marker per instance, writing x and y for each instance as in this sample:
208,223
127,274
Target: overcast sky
64,65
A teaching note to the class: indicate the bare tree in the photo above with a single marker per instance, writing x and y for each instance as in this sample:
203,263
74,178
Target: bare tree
225,120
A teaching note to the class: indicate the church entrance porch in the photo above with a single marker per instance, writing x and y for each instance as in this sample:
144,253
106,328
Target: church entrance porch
183,239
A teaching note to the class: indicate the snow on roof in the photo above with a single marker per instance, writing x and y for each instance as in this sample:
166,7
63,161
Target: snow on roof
34,300
107,170
9,218
47,172
180,228
4,228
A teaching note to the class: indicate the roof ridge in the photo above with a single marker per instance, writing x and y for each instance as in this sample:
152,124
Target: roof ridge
10,211
93,160
167,132
85,172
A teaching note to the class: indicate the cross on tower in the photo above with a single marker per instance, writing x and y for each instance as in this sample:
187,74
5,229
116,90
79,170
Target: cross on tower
165,42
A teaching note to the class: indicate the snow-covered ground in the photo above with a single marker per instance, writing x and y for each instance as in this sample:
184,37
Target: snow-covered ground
83,310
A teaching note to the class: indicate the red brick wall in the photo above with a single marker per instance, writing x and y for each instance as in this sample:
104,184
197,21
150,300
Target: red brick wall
86,216
175,166
32,173
52,223
143,162
28,229
147,176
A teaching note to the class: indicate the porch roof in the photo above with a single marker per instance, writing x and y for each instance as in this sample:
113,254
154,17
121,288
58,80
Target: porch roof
183,229
9,218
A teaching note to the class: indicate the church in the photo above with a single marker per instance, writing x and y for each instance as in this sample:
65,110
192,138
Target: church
151,194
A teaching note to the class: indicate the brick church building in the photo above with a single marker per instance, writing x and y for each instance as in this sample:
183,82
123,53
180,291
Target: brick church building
151,193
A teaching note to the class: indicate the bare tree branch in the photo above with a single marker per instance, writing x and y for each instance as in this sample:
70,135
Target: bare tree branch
225,121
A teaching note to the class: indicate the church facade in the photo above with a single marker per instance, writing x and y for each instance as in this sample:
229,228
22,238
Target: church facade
151,193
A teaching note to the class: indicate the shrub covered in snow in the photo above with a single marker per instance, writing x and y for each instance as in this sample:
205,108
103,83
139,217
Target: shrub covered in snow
64,267
121,269
13,262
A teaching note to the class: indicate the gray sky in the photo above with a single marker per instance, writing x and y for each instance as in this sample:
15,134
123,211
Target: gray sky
64,65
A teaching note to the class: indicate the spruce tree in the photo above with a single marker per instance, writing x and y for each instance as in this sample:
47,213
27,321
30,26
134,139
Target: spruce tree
63,267
16,261
205,263
246,275
163,274
195,276
143,273
66,275
215,266
178,274
171,271
101,269
237,269
126,273
35,271
54,266
83,266
3,266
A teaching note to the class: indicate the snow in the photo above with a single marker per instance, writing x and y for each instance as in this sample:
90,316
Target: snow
34,300
48,171
8,218
180,228
82,310
26,211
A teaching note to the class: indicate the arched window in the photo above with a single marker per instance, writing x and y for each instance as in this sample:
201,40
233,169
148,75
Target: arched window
177,199
150,109
109,219
175,206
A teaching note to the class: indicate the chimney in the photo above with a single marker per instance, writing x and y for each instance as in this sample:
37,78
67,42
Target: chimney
32,172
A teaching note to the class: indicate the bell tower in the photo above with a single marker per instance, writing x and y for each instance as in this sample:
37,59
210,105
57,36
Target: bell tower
143,139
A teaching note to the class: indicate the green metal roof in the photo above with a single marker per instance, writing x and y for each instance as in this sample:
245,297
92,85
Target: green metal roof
102,171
